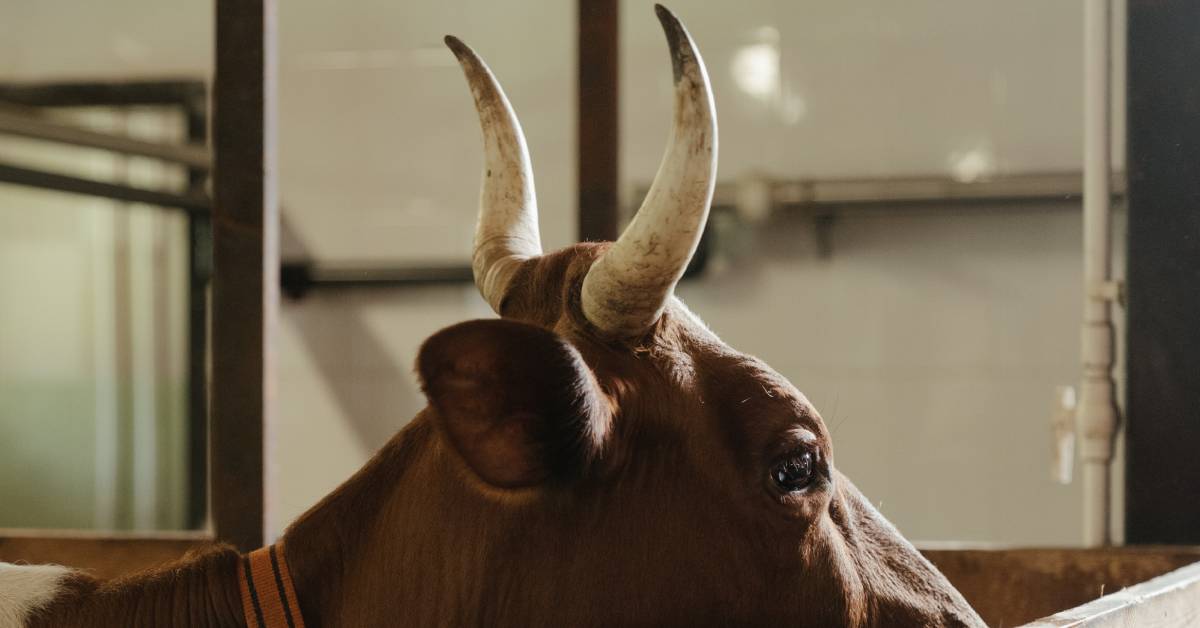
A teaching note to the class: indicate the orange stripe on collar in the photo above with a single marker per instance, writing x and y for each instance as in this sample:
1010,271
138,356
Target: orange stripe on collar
268,595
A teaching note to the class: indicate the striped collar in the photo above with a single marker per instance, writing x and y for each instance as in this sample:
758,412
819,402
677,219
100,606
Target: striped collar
268,595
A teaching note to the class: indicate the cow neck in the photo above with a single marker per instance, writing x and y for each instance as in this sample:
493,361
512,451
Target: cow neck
332,539
200,589
268,595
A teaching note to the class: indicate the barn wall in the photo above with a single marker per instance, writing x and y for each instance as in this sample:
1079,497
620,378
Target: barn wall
931,339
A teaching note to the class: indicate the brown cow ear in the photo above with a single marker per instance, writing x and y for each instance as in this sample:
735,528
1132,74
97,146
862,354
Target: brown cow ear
517,401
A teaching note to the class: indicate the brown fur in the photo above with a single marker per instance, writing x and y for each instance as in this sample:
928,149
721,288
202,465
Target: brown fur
200,591
670,524
668,520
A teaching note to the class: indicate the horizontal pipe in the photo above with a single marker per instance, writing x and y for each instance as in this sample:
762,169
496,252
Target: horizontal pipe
75,185
385,275
1027,187
37,128
297,278
105,94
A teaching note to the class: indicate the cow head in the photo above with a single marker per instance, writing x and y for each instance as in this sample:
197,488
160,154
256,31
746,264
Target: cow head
640,470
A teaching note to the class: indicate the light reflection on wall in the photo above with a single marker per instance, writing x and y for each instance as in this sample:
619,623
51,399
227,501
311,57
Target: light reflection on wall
972,164
756,71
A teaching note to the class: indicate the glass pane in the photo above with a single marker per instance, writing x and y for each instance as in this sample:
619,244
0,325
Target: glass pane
95,319
931,334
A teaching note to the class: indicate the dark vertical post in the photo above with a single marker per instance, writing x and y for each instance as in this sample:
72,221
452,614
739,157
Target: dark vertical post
199,274
597,130
245,282
1162,476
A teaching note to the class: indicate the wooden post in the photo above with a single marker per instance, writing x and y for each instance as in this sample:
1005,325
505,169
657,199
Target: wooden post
1168,600
598,125
245,261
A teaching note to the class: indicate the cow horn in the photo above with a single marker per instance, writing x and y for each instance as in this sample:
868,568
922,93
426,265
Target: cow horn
627,289
507,231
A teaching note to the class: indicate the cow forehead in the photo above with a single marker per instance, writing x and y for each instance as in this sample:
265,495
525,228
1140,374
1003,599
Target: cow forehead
740,382
754,399
681,360
698,378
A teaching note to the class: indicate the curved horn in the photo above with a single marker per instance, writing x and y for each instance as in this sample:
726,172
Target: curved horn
507,231
626,290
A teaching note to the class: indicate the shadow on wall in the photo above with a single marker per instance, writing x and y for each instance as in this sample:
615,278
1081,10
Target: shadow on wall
354,363
352,360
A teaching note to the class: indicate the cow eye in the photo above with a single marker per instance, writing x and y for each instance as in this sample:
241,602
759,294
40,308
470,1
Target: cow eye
794,472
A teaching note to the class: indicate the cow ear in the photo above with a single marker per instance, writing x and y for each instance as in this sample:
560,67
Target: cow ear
517,401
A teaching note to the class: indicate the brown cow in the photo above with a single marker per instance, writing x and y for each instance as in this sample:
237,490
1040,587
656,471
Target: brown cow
596,457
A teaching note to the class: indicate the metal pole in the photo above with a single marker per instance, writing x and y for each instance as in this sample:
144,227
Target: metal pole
29,177
33,127
199,276
245,285
1098,407
597,133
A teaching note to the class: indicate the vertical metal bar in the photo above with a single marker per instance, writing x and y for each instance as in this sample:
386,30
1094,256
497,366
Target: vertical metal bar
123,349
105,365
245,265
598,122
1098,404
199,273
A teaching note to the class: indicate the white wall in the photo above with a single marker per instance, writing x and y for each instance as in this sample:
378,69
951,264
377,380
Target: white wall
871,88
44,40
379,156
931,339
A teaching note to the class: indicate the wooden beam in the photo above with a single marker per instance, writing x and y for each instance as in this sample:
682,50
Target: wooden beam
598,127
104,555
245,265
1162,470
1168,600
1010,586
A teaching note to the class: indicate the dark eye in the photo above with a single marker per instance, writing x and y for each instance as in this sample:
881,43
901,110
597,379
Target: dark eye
794,472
